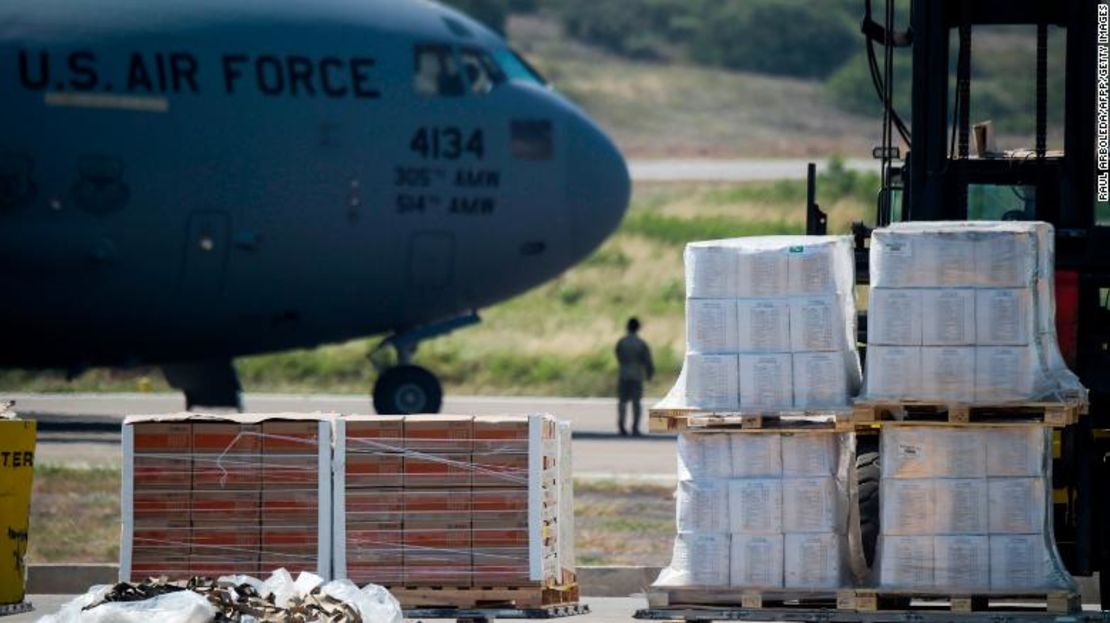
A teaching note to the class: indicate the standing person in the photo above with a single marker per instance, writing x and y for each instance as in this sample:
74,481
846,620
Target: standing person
634,358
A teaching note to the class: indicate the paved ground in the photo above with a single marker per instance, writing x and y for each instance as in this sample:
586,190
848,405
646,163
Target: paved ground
80,429
748,170
602,609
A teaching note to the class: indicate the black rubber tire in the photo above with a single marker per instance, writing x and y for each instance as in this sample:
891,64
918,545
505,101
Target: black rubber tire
406,390
867,477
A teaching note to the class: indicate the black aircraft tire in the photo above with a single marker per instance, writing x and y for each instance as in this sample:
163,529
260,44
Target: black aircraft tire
407,389
867,475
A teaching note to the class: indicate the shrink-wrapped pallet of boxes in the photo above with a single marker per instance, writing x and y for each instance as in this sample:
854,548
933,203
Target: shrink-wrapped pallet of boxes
456,510
964,313
967,510
212,495
762,511
770,326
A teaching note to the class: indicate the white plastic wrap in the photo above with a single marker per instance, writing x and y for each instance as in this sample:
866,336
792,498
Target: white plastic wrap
977,298
782,518
967,509
178,607
790,343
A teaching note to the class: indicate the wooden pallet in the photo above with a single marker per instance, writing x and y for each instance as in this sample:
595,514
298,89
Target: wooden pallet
707,614
1055,414
518,597
748,599
865,600
671,420
488,615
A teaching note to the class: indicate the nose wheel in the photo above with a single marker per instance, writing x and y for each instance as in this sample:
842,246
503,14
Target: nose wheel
406,389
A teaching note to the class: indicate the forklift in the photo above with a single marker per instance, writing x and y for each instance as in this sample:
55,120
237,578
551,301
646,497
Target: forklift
929,171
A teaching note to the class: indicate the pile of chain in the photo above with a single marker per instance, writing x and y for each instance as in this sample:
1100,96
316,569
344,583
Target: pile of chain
241,603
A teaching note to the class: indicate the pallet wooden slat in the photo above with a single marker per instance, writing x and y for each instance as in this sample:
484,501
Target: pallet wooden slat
1049,413
672,420
851,600
524,597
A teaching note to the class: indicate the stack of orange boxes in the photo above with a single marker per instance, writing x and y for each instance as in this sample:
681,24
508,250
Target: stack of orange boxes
162,466
437,500
500,500
453,501
373,494
220,495
225,515
291,494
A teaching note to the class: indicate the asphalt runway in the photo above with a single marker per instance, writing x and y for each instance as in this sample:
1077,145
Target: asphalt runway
82,429
746,170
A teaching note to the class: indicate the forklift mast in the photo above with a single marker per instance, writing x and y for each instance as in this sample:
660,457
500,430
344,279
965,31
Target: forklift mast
942,176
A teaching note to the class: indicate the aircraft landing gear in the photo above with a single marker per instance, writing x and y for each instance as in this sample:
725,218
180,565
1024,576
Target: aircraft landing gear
407,389
404,388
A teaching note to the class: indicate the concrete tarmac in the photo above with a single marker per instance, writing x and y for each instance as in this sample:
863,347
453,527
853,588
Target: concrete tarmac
739,170
602,609
82,428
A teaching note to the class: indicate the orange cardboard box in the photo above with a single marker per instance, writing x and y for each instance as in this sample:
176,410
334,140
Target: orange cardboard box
369,434
227,507
291,437
366,471
500,470
503,434
440,434
162,472
166,508
226,438
438,574
485,537
374,505
227,471
290,507
296,471
210,567
230,543
293,562
375,542
377,573
443,471
432,503
490,500
162,437
160,541
500,520
501,566
285,538
436,537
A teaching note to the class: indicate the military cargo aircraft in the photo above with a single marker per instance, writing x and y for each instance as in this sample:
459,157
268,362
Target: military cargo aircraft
183,182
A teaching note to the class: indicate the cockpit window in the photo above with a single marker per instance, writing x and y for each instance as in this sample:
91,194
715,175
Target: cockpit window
516,68
481,71
437,71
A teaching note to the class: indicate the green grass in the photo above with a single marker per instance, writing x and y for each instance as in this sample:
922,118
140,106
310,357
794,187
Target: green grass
556,339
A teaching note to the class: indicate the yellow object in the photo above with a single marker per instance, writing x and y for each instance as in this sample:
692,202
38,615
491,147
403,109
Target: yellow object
17,467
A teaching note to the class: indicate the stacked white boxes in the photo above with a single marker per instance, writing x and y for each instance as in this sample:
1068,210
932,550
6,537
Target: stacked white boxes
967,510
963,312
770,325
762,510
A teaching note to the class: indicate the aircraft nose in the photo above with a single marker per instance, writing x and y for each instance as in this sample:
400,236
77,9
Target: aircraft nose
597,185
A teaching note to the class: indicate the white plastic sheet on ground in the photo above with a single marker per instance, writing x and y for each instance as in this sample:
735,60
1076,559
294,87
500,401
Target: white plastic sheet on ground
179,607
964,312
375,604
770,325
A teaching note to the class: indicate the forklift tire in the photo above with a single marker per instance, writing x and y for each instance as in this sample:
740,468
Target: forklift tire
867,477
406,390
